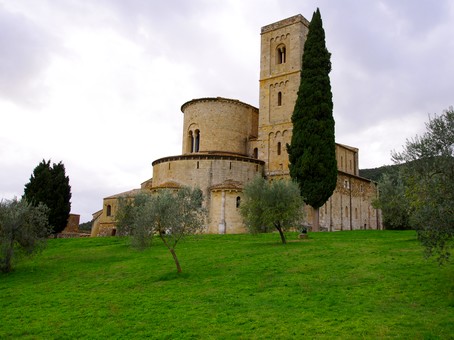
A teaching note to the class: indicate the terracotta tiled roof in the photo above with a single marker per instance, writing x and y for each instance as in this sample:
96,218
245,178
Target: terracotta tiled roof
228,184
129,193
168,185
147,184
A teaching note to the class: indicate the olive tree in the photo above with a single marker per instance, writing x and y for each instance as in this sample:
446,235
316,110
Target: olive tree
393,202
23,230
428,177
170,215
272,205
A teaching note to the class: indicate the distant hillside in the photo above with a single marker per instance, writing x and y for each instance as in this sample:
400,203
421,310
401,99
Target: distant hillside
375,174
86,226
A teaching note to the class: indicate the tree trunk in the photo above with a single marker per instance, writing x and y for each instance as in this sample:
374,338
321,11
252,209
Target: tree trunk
172,251
315,219
6,266
278,227
175,258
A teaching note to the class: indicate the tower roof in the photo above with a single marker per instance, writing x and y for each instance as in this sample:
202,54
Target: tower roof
285,22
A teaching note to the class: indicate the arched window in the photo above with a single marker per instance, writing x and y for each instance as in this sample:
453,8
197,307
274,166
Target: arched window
109,210
191,142
279,148
197,141
238,201
279,98
280,54
256,153
346,184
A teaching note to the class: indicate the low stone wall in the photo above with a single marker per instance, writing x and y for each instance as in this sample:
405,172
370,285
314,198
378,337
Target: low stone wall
72,235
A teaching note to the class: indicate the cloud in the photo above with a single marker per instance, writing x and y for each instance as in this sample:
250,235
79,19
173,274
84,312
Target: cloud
99,84
25,53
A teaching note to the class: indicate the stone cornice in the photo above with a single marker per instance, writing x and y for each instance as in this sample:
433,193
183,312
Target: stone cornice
217,99
208,156
285,22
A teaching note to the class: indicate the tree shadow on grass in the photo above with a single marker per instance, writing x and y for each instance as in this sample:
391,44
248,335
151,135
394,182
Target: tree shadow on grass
170,276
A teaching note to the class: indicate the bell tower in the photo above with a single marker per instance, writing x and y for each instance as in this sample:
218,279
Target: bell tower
282,45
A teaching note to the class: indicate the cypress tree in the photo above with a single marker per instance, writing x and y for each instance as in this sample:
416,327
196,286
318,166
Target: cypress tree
312,152
50,185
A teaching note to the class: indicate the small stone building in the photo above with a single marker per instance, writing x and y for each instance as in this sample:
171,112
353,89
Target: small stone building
226,143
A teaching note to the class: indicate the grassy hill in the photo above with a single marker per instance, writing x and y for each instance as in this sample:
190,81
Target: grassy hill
356,284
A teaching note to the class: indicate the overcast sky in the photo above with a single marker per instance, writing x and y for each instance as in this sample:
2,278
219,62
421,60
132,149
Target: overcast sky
98,84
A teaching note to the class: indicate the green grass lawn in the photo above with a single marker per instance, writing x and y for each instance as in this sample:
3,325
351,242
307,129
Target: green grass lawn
358,284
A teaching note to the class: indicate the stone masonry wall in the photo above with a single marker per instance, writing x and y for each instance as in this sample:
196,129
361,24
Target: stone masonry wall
224,125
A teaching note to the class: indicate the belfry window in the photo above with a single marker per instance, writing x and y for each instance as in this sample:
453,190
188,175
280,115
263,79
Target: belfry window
281,54
279,98
109,210
279,148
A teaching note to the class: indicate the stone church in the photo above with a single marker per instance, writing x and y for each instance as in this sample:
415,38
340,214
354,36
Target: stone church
226,143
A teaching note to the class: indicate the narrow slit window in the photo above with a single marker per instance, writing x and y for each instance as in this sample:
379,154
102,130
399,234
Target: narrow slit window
238,201
279,148
256,153
109,210
279,98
